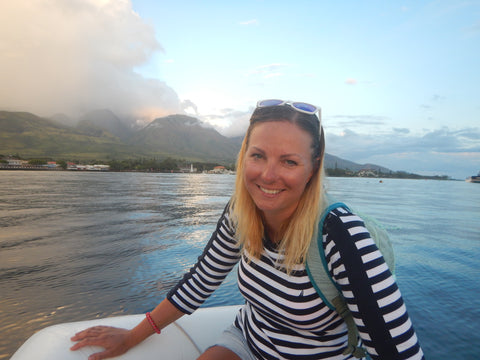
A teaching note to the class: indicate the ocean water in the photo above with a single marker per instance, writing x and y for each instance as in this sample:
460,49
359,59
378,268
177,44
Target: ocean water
82,245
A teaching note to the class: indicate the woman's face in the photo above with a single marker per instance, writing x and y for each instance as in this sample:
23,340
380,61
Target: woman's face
278,166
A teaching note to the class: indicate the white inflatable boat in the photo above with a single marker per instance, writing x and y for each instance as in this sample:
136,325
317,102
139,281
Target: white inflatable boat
185,339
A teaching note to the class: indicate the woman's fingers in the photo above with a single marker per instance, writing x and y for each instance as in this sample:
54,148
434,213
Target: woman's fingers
110,338
87,334
93,331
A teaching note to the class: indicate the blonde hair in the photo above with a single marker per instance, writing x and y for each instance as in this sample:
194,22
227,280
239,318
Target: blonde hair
300,229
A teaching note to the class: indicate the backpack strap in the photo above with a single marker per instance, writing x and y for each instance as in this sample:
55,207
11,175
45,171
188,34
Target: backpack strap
317,270
316,265
352,348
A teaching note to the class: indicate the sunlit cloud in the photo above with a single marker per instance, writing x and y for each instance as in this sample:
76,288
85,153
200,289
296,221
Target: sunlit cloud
229,122
189,107
76,56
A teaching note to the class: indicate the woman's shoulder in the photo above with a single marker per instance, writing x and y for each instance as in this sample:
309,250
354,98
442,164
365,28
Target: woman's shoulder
227,216
343,217
342,229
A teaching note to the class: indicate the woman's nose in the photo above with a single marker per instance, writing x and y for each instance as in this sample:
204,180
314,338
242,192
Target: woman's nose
270,172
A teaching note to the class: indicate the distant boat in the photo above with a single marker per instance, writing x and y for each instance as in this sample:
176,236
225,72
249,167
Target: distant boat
473,178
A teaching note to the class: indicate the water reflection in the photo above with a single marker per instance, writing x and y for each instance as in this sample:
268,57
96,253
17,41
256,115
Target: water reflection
75,246
85,245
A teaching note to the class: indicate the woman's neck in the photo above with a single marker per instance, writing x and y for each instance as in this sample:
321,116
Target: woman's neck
274,227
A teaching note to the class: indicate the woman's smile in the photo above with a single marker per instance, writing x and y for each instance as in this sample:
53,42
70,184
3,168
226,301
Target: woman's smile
269,191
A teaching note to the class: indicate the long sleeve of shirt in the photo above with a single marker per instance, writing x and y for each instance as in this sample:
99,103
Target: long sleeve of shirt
217,260
284,317
369,288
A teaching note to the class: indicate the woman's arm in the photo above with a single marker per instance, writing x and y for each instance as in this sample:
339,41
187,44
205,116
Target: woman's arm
164,314
369,289
118,341
219,257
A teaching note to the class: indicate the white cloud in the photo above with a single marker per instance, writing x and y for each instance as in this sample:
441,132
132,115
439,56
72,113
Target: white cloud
249,22
189,107
442,151
74,56
229,122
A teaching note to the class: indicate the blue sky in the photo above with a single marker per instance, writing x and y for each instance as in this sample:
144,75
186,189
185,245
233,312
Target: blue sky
397,81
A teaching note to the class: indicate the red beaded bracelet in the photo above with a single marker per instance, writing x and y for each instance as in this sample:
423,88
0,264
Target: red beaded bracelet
154,326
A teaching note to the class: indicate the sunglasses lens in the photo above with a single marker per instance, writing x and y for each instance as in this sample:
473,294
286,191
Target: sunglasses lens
299,106
270,102
308,108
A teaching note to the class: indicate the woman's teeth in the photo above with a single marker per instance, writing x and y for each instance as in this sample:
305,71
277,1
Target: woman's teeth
270,192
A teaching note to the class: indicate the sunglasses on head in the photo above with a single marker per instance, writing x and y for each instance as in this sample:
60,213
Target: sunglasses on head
299,106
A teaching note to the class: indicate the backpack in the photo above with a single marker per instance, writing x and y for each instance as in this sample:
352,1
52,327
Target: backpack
317,270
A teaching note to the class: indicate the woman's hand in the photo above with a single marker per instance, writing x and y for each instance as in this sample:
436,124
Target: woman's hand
118,341
113,340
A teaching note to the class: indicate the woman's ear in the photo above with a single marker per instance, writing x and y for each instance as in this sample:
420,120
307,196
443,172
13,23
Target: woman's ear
316,164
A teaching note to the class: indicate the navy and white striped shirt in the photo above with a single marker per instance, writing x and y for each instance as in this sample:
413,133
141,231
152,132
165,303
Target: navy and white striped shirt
283,316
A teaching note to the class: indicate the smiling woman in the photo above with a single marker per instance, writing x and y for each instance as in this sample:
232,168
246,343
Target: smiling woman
266,229
280,160
278,166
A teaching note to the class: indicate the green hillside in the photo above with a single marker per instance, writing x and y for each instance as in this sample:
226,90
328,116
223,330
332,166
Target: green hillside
31,136
92,138
184,136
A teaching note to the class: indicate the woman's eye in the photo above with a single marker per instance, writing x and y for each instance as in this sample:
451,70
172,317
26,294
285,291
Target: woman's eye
291,162
256,156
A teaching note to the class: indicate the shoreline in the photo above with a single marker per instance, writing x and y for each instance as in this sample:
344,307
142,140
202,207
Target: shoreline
182,172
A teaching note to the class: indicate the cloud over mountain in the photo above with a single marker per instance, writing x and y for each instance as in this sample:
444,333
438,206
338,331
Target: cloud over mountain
75,56
428,153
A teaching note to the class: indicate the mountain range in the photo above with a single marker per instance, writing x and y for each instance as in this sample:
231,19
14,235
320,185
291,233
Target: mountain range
101,135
